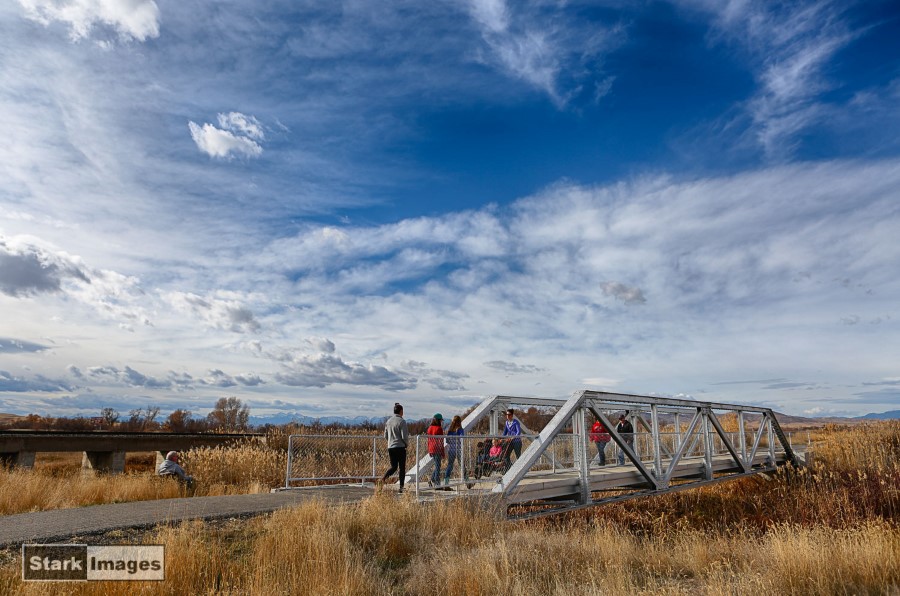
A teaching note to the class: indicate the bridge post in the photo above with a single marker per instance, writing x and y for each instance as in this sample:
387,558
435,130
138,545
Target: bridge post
581,453
103,461
771,439
20,459
657,454
743,440
707,446
677,431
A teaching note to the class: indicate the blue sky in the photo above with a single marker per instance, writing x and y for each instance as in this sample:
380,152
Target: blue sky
323,208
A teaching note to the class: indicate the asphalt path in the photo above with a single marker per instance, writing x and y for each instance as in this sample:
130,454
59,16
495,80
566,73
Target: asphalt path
61,524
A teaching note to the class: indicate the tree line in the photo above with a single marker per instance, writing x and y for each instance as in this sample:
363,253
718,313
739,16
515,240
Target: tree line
228,415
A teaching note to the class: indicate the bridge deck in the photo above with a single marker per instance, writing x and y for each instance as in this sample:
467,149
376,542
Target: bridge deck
541,485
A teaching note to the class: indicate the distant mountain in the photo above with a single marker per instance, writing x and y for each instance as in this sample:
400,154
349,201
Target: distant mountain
893,414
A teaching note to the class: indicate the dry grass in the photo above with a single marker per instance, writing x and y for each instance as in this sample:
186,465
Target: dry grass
27,490
832,529
57,481
391,546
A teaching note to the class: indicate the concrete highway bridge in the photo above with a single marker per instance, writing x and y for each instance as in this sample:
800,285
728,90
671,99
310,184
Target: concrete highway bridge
104,450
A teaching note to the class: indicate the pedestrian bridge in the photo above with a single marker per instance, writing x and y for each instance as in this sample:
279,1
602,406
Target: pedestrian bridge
677,444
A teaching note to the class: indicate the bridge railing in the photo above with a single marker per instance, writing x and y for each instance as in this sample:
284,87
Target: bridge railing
324,459
472,465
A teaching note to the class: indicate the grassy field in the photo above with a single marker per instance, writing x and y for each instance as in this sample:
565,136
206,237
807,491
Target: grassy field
829,529
57,482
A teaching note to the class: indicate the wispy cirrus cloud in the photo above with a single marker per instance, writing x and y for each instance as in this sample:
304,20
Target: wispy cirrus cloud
531,42
789,46
129,19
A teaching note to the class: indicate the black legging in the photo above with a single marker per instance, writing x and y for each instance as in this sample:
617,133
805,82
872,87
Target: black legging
398,460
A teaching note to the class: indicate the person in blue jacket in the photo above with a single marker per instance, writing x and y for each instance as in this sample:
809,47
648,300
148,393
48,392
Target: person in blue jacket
512,428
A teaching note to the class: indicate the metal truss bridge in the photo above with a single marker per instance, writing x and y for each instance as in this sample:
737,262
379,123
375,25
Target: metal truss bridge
677,444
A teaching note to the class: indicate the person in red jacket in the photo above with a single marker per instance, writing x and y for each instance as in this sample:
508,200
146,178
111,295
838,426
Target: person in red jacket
436,448
600,437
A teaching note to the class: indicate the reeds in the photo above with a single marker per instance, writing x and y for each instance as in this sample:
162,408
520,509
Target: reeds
830,529
387,545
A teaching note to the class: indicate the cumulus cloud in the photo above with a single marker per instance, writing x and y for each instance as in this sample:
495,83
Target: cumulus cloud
27,269
444,380
237,134
620,291
218,378
239,123
322,370
127,376
14,384
249,379
223,310
130,19
320,344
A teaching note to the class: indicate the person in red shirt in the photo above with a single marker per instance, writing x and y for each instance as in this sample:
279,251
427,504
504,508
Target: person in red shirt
436,448
600,437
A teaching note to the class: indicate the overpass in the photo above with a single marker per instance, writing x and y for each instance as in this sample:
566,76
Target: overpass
104,450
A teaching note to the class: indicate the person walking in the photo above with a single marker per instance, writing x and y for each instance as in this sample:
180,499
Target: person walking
397,434
454,446
512,428
436,448
600,437
626,431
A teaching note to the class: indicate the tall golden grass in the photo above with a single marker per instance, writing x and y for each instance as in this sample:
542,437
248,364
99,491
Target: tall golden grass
387,545
59,482
831,529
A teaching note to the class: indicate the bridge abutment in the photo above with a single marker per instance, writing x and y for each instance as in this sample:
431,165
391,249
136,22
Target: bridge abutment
103,461
20,459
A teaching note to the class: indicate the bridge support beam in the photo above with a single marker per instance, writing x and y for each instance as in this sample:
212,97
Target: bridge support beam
103,461
20,459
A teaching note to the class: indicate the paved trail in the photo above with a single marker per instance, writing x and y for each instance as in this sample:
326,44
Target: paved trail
60,524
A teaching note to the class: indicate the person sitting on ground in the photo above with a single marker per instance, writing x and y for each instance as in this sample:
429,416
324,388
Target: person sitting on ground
170,467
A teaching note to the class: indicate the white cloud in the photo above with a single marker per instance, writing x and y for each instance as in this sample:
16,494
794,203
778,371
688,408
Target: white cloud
238,135
322,370
30,267
222,143
27,268
789,46
223,310
240,123
538,49
626,294
130,19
